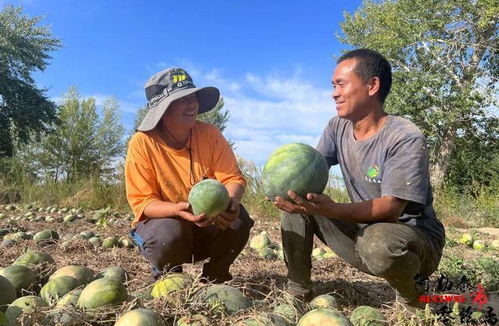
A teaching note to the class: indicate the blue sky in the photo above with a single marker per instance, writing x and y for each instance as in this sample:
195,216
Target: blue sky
272,60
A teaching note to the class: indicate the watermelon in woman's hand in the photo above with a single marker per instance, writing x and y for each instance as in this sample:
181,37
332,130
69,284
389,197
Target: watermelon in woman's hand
209,197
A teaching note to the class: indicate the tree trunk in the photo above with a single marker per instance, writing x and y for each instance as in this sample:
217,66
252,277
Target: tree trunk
443,154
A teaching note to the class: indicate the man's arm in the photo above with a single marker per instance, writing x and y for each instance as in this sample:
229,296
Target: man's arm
383,209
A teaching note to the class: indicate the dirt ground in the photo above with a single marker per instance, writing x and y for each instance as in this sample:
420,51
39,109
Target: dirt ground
351,287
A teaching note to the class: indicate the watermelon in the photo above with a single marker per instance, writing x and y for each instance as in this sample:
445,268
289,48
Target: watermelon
70,299
88,234
7,293
102,292
260,241
209,197
20,276
169,284
57,287
466,239
367,316
81,273
110,242
230,298
298,167
46,237
140,317
288,311
324,301
34,258
323,316
115,272
27,305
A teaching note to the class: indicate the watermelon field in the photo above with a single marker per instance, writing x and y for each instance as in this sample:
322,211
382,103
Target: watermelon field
67,266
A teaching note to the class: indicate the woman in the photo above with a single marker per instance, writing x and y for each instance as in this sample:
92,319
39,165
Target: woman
170,153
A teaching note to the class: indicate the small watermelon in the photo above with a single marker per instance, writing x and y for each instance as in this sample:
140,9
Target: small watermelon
209,197
102,292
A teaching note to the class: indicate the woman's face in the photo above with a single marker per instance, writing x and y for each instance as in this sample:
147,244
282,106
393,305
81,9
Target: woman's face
182,112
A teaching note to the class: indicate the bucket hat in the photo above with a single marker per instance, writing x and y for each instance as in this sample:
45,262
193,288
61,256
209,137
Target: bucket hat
169,85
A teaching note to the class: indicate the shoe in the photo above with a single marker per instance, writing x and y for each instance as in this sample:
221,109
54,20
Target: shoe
299,293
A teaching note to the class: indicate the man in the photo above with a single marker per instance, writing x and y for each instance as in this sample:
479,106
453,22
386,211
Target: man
169,154
389,229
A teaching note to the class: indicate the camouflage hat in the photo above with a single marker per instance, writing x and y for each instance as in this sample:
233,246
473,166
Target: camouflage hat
169,85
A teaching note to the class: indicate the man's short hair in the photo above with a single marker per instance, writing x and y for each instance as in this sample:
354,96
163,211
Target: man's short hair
371,64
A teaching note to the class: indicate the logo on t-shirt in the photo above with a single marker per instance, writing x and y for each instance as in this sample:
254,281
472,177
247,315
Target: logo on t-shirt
372,174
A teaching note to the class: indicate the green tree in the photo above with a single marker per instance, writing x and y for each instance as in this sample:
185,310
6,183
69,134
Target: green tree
24,48
83,143
444,55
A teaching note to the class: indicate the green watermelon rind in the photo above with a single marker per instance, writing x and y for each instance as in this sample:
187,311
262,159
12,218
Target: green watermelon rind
296,166
209,197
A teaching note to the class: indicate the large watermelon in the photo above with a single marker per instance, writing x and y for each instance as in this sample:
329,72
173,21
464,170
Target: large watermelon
7,293
231,299
34,258
102,292
57,287
298,167
139,317
81,273
170,283
26,305
20,276
209,197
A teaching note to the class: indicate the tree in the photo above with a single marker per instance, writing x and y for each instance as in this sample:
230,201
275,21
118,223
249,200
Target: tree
444,55
24,48
82,143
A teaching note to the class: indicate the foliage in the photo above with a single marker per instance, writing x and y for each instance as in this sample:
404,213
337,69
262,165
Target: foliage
216,116
483,270
24,48
82,143
464,210
444,57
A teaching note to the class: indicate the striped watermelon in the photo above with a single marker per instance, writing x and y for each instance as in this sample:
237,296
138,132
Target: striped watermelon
298,167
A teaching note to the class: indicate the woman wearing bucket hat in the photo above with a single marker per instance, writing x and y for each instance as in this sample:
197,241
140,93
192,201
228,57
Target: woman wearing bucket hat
170,152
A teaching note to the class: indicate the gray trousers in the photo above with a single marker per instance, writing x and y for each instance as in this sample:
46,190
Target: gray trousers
167,243
394,251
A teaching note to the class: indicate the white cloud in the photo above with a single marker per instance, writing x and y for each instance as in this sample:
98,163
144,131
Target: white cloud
269,111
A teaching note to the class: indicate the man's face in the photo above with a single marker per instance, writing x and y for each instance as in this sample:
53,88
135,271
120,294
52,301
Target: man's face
350,92
183,111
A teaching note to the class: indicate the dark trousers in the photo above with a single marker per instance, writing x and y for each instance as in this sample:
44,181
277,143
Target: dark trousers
167,243
394,251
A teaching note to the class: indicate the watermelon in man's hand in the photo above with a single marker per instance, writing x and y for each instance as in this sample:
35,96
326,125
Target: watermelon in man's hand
297,167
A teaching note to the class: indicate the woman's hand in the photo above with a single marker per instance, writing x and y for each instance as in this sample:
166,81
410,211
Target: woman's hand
224,219
184,211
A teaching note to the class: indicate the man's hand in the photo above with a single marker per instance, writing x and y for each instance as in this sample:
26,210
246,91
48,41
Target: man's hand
224,219
314,204
183,209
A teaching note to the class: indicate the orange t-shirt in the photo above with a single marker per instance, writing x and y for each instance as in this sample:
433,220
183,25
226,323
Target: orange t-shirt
155,171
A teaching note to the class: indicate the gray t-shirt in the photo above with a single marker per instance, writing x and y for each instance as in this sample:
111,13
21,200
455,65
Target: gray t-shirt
394,162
